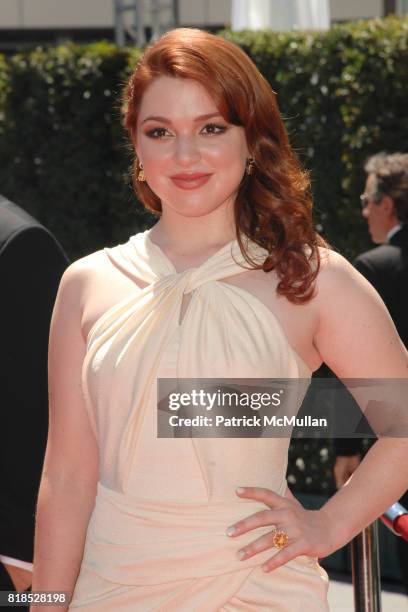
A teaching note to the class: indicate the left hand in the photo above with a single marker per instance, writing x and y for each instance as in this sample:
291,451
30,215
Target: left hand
310,532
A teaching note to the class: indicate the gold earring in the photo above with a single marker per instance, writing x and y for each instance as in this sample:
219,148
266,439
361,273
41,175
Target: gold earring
141,174
249,165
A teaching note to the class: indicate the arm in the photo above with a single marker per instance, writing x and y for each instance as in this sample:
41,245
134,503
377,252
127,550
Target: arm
348,450
70,473
357,339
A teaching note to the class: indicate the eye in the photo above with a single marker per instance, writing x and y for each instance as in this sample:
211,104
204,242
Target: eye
209,129
214,128
158,132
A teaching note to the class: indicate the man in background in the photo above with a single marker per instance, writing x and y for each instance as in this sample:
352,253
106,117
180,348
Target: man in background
31,266
385,207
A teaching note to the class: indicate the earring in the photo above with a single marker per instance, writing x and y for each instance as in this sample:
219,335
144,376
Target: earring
249,165
141,174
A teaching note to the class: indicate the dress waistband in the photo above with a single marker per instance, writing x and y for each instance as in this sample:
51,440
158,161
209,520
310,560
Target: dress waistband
139,542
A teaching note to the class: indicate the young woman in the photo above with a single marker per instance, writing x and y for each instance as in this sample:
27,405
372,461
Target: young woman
233,281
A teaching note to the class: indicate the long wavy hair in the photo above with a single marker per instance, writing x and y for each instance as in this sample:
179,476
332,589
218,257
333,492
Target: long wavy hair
273,206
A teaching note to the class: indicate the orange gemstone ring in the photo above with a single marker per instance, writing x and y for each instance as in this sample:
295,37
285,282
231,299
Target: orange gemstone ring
280,538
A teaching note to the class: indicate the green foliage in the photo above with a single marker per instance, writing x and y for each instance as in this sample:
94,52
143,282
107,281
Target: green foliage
343,94
64,155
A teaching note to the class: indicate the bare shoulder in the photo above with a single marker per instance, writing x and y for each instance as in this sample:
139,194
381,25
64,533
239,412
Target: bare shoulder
75,287
332,263
337,274
356,336
94,262
80,273
91,286
342,292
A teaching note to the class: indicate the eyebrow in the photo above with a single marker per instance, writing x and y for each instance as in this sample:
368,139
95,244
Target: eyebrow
167,121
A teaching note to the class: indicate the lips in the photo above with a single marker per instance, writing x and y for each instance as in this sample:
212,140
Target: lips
190,181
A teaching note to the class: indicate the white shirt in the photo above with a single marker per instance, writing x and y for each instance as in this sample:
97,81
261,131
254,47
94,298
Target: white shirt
17,563
393,231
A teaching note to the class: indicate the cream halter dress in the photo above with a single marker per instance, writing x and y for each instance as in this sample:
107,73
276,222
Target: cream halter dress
156,537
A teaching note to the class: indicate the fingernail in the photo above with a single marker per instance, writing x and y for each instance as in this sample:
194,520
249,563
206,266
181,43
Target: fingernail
230,531
240,490
241,554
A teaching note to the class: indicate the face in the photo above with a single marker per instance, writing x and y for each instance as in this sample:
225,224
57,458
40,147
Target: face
192,158
377,214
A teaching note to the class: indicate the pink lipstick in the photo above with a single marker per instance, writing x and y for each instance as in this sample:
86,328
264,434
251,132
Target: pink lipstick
190,181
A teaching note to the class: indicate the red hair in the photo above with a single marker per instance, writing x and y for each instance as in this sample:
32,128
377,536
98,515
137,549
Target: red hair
273,206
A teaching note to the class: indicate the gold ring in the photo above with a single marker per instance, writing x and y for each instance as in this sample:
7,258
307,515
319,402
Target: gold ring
280,539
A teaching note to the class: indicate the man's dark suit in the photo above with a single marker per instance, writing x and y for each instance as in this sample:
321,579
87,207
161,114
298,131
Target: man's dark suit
31,266
386,267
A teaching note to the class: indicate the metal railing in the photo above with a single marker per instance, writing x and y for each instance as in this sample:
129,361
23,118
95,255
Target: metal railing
365,559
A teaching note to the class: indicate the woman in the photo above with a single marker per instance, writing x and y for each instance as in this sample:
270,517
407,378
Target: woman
232,281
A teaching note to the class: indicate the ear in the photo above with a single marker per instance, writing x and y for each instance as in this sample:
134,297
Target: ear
134,142
388,206
137,154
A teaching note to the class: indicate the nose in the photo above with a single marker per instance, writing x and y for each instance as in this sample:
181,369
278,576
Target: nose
187,150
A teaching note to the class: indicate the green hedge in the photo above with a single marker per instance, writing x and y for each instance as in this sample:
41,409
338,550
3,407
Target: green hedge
344,96
63,153
65,157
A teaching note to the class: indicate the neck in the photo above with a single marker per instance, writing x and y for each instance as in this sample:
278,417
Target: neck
187,234
393,226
